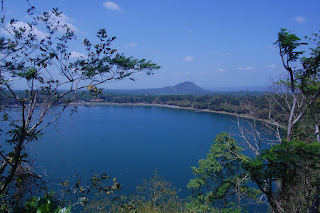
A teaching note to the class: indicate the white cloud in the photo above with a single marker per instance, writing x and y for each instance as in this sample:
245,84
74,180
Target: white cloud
65,20
245,68
220,70
19,24
272,66
188,58
133,44
111,5
75,54
300,19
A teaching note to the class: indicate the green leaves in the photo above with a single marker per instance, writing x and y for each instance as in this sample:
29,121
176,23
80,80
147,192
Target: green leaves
47,203
28,74
284,160
102,64
287,44
39,54
292,165
18,133
305,75
218,176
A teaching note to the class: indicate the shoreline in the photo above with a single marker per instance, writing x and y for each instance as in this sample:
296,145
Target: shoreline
176,107
169,106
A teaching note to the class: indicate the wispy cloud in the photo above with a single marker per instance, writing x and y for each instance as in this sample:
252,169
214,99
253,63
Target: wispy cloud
75,54
133,44
111,6
300,19
188,58
61,22
220,70
65,20
272,66
19,24
245,68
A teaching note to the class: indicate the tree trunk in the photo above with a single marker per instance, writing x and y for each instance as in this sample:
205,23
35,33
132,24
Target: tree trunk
292,111
316,200
317,133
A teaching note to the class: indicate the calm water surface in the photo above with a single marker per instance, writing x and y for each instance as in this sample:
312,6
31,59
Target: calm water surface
129,142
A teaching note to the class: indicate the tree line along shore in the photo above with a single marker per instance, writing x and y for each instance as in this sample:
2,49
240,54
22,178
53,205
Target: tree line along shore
236,103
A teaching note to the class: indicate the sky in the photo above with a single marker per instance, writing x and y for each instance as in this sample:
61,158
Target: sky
215,44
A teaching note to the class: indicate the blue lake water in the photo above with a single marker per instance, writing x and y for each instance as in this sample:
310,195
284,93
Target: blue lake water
129,143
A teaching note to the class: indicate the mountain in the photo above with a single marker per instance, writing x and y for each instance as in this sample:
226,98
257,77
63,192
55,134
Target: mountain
185,88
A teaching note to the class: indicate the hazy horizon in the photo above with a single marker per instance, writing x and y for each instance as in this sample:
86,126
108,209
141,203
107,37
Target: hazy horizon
215,44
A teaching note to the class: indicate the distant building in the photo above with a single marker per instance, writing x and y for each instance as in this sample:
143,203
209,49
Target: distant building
96,100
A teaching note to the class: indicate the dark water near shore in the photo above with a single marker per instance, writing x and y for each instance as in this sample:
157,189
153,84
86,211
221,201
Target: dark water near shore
126,142
129,143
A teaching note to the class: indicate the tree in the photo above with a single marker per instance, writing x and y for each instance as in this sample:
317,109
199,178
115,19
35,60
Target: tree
303,80
220,181
153,195
288,173
157,194
42,62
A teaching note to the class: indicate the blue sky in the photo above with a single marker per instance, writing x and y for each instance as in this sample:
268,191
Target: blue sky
212,43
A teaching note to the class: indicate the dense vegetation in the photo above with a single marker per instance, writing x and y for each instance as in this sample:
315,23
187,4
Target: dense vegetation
287,174
231,103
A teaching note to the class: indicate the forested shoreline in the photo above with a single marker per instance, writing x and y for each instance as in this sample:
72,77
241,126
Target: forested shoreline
234,103
282,137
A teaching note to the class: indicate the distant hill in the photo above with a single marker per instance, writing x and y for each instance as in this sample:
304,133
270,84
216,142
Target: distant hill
185,88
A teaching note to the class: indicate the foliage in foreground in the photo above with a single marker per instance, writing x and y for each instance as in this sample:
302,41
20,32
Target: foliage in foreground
153,195
44,204
220,180
44,65
296,166
288,173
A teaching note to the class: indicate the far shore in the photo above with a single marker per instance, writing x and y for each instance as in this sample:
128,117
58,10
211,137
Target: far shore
176,107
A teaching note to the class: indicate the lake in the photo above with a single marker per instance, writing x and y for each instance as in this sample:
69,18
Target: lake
129,143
